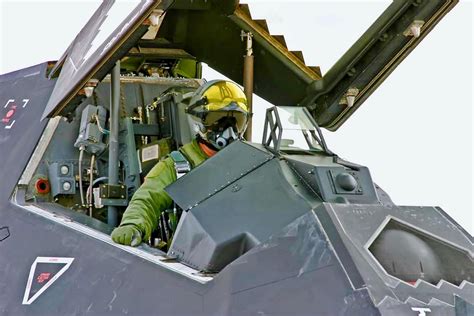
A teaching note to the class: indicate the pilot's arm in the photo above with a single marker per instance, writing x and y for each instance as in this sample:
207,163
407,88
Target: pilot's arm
142,214
217,114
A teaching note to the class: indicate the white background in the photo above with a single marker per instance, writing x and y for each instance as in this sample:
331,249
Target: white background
414,133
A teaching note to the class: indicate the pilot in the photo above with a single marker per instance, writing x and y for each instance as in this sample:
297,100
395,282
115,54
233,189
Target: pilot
217,114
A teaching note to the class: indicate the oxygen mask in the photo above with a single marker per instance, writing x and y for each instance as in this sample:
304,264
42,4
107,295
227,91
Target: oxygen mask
223,132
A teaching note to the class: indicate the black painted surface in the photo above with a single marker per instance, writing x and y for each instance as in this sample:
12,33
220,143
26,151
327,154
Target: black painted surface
18,143
103,279
218,172
243,214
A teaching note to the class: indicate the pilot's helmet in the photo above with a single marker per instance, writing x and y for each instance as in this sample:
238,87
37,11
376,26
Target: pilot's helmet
218,112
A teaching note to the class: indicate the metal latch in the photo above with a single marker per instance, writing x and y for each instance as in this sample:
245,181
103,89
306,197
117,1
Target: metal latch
113,195
181,164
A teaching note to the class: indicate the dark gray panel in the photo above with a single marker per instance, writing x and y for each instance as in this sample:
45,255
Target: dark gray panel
102,280
216,173
343,254
237,218
463,308
294,272
18,142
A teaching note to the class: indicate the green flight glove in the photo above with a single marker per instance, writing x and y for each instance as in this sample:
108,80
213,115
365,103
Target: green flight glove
127,235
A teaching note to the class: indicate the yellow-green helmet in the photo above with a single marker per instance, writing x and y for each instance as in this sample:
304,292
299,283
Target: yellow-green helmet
218,112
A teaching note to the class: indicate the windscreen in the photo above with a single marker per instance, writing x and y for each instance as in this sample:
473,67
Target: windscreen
298,128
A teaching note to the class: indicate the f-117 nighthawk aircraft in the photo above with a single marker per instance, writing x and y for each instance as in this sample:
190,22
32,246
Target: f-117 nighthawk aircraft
281,227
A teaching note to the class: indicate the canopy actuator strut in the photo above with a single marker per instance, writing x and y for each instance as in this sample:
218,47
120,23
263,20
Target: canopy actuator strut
112,214
248,79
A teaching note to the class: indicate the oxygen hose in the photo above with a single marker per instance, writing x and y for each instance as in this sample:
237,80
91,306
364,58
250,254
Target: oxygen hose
90,189
91,180
81,192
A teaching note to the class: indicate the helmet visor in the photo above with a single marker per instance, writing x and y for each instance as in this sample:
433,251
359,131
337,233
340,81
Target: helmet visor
223,119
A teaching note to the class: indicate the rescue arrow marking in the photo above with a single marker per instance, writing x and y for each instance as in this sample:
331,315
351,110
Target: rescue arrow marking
25,102
66,261
8,102
11,125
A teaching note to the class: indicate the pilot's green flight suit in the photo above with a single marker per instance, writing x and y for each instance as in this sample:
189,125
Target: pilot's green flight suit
150,200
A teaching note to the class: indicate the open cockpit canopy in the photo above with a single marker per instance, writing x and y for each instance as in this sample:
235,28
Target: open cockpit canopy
211,32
